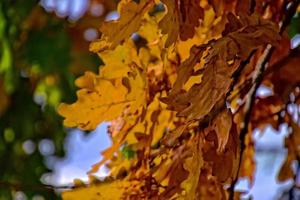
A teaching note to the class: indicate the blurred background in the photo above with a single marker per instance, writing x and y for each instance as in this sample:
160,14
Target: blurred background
43,48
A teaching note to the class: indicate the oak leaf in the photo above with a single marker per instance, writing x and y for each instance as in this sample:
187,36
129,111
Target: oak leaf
182,17
193,165
120,85
222,125
223,59
117,31
108,190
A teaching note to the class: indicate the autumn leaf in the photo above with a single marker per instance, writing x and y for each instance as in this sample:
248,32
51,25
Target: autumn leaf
222,7
222,125
265,111
186,69
193,165
103,191
182,17
292,143
104,97
224,162
117,31
286,172
174,96
223,59
282,73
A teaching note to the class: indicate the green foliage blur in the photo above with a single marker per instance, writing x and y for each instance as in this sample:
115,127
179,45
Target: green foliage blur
294,27
38,65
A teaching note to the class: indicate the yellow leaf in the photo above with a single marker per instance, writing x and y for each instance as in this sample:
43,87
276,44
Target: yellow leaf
106,102
103,191
120,86
193,165
210,28
117,31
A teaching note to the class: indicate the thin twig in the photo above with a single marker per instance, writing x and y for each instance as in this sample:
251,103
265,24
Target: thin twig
270,69
39,187
257,80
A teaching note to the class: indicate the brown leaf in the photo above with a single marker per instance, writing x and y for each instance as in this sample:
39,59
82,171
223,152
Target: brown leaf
193,165
222,164
222,7
265,112
186,69
176,172
182,17
292,143
223,59
286,171
244,7
222,125
284,74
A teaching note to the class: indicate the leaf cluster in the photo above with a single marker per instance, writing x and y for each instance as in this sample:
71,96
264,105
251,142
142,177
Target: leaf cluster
176,85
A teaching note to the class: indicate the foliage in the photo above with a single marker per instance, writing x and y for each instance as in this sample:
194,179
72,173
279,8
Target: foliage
178,83
179,87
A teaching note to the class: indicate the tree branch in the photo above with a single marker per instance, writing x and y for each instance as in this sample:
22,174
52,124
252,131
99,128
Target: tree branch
41,187
269,70
257,80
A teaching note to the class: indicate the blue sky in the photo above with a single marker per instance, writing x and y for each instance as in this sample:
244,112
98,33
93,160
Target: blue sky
82,151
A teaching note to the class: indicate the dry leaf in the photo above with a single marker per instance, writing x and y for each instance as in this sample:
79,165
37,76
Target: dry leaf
223,59
182,17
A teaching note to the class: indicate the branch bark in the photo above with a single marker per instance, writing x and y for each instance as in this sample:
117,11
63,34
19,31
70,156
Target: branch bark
257,80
